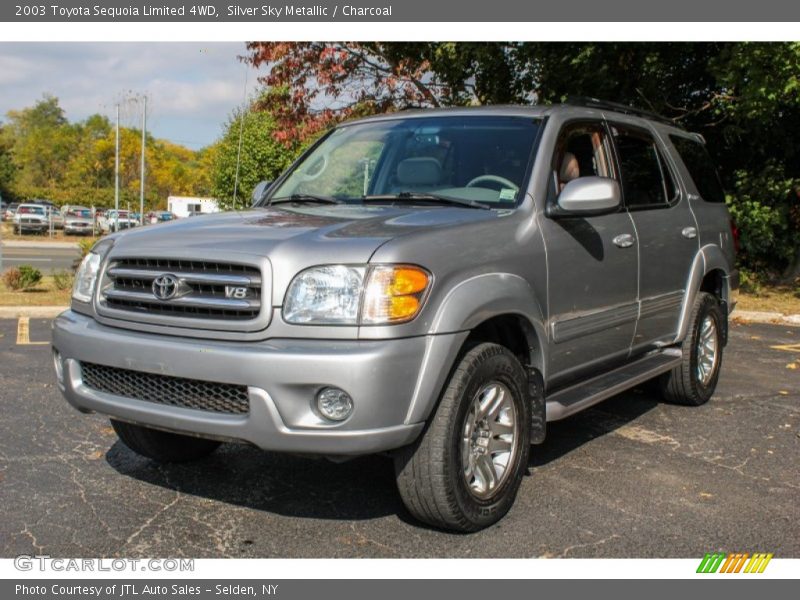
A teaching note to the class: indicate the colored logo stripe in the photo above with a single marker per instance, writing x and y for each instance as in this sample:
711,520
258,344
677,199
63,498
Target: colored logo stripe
733,562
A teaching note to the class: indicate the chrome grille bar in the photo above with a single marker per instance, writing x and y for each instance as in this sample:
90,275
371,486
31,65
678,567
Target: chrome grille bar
187,276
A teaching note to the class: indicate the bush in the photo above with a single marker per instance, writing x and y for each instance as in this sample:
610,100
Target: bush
63,280
84,246
750,282
763,208
23,278
11,279
29,276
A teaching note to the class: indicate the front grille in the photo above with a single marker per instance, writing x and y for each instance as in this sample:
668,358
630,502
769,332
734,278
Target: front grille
207,290
163,389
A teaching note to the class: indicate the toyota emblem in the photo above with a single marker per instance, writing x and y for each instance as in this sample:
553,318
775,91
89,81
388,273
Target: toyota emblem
165,287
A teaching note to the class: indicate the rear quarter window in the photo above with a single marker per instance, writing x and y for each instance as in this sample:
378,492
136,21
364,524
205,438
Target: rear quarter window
701,168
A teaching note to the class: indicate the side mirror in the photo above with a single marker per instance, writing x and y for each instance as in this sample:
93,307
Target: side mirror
259,191
589,196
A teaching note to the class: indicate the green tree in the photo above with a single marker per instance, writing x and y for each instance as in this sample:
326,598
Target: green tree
42,155
262,157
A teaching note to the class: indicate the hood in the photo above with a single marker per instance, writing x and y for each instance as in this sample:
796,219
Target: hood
261,232
292,238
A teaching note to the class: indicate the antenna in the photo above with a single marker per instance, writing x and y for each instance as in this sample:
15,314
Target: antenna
241,133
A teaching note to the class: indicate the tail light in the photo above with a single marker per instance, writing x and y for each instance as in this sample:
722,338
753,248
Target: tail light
735,236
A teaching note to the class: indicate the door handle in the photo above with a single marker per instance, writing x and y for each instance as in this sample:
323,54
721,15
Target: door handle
623,240
689,232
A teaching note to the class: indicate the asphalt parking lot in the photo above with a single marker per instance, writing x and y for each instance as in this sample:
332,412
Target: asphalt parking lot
629,478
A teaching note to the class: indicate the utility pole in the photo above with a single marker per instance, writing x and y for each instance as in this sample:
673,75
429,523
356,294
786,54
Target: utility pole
116,167
239,148
141,181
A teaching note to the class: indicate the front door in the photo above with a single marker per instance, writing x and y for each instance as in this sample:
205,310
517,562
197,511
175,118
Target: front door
591,262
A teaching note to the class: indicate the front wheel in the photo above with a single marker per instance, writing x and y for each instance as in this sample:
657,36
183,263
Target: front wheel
693,382
464,471
162,446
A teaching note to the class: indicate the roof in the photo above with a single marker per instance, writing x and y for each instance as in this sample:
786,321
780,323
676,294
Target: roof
580,106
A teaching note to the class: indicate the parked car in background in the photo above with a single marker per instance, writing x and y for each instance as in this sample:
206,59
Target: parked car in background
78,220
116,220
55,216
159,216
8,212
31,218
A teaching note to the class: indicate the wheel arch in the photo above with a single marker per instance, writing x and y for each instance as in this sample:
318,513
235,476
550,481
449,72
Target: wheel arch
709,273
500,308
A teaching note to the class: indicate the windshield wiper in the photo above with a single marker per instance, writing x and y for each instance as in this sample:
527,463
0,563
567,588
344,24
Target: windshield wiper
306,198
426,197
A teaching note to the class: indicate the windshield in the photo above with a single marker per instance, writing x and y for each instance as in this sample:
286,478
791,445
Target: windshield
482,159
30,210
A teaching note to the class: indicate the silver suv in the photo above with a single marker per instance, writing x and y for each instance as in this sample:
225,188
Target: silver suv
437,285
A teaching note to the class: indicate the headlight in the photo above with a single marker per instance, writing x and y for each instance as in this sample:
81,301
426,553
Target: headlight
325,295
86,277
356,294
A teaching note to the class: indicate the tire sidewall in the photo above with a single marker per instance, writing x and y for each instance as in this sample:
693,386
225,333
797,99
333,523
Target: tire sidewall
708,307
504,368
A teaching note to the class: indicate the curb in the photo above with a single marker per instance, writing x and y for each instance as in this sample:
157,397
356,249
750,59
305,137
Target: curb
61,245
35,312
757,316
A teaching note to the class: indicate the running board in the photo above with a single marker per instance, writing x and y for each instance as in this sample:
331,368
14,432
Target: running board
575,398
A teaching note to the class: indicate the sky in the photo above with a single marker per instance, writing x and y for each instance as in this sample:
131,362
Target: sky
191,87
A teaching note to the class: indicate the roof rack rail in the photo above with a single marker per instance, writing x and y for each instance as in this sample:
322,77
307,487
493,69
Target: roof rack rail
589,102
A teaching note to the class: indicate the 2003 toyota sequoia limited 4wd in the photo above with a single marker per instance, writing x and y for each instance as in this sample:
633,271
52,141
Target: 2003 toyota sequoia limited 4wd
435,284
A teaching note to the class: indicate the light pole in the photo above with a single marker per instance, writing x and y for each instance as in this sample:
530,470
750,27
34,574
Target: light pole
141,181
116,166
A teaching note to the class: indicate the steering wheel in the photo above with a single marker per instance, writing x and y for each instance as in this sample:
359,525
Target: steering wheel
495,179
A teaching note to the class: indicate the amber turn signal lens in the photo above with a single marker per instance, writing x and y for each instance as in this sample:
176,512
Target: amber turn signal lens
394,294
403,307
408,281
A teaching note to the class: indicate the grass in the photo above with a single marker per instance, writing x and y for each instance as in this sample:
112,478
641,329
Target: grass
780,298
44,294
7,234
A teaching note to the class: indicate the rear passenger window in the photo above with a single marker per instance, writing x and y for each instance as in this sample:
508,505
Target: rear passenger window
701,168
646,181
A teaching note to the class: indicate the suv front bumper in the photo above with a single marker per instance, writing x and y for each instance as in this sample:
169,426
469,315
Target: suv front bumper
390,382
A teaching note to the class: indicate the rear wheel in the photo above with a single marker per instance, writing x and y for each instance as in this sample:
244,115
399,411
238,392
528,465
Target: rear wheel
464,471
693,382
162,446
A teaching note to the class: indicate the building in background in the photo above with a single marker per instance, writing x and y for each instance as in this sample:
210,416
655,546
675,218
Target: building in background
187,206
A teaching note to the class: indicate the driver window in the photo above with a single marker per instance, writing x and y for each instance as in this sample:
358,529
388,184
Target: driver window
582,151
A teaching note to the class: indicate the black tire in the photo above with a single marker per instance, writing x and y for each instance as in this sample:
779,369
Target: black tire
683,385
430,475
162,446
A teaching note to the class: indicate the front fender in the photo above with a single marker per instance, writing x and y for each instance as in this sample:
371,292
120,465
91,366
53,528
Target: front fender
467,305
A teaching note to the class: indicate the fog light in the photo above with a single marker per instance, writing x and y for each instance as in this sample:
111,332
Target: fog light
59,366
334,404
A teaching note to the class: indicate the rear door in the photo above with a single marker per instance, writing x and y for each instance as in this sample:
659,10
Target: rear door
665,227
